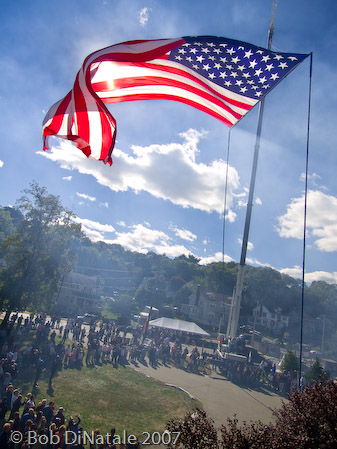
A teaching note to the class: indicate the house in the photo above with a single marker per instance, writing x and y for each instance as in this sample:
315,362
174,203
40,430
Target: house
79,294
207,308
273,320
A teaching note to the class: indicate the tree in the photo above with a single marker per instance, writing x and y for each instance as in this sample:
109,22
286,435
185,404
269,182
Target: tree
38,254
196,431
290,362
316,373
307,421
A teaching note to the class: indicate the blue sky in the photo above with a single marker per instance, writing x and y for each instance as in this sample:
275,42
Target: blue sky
165,190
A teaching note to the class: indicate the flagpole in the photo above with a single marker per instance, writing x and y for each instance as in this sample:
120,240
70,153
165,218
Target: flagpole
233,320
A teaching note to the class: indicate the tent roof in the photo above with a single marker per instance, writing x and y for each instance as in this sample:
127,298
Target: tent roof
178,325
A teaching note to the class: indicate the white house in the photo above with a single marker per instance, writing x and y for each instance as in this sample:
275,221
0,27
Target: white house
274,320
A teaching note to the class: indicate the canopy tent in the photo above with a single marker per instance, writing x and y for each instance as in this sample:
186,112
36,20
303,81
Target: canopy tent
178,325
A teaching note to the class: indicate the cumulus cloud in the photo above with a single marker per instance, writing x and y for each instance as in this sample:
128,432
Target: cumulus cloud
67,178
142,238
94,230
296,272
143,16
86,197
321,220
218,257
250,245
169,171
1,164
184,234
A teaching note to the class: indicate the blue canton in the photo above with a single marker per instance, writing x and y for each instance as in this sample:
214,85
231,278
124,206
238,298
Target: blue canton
242,68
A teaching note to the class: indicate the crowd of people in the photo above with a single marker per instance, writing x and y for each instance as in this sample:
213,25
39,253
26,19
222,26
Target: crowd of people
54,345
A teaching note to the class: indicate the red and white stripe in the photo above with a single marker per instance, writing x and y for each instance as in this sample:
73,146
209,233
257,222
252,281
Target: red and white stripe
136,70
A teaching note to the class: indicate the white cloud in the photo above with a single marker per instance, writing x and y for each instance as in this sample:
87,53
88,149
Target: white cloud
143,16
105,204
94,225
143,239
296,272
184,234
166,171
218,257
67,178
1,164
321,220
85,196
250,245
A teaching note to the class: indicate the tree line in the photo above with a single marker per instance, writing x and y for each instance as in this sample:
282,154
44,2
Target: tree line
40,244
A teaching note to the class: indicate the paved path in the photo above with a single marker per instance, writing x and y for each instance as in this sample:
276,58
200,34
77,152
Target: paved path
220,398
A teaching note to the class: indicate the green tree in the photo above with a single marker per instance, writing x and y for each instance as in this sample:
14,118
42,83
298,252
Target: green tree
316,373
290,362
38,254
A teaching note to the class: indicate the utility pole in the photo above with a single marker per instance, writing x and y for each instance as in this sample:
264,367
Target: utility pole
233,320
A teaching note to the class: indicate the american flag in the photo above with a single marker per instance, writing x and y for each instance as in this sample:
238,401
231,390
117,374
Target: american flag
222,77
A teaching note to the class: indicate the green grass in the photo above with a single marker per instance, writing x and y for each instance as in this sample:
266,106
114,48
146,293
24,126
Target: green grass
107,397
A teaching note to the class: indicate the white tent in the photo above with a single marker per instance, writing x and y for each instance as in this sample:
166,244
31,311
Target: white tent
178,325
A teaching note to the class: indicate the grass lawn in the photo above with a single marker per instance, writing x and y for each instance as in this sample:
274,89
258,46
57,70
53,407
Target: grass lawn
107,397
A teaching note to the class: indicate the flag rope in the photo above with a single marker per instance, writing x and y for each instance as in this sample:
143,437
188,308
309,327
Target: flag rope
305,224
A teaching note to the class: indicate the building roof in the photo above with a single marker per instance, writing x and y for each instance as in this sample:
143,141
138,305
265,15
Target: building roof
178,325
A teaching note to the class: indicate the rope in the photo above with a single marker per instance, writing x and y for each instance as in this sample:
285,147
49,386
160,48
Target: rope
305,224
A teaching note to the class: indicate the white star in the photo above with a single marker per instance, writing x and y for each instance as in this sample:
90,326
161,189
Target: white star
210,44
246,75
262,80
200,58
189,59
238,82
260,52
182,51
234,74
223,75
258,72
217,50
217,66
258,94
283,65
265,58
206,67
195,67
265,86
198,43
269,67
248,53
241,67
230,51
205,50
252,64
278,57
227,83
212,58
223,59
186,45
292,58
229,67
235,60
243,89
274,76
179,58
211,75
193,50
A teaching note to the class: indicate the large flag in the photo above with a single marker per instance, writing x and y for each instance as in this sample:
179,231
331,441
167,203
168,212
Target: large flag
222,77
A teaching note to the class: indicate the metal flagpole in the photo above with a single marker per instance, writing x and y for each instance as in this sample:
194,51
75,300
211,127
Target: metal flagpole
233,320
